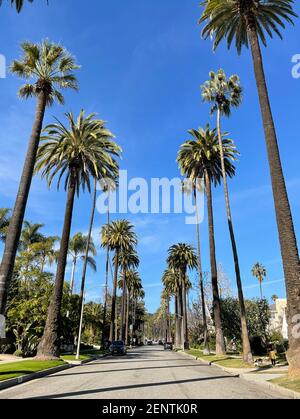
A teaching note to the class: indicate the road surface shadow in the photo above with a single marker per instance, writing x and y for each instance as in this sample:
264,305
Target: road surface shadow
124,370
129,387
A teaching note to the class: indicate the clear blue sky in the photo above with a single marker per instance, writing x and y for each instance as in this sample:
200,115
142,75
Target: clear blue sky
142,65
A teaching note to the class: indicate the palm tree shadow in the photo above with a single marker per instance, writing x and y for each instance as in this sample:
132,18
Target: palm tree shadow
130,387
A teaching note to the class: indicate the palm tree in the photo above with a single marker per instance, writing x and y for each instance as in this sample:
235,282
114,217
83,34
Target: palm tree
193,186
128,260
45,252
18,4
224,94
171,282
48,69
259,272
77,247
133,282
247,23
118,237
4,223
30,234
181,258
200,158
77,154
165,302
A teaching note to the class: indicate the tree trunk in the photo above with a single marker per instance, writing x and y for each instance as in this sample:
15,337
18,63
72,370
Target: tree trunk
113,300
123,309
127,318
177,332
247,353
72,283
16,221
220,344
287,237
106,276
261,291
49,347
184,309
205,331
86,255
88,245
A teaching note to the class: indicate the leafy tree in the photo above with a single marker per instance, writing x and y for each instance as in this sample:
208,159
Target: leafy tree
48,69
77,154
4,223
248,23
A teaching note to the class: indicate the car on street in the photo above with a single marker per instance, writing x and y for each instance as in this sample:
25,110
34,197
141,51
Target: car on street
118,347
168,346
149,342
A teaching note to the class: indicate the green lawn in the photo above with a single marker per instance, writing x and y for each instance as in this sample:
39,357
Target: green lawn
225,361
18,369
289,383
83,356
73,357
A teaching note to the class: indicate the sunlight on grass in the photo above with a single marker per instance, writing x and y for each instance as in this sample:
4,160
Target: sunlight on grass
18,369
224,361
289,383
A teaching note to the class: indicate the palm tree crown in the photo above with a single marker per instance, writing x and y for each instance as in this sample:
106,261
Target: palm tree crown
119,235
259,271
82,151
49,67
77,248
202,153
222,93
231,19
182,256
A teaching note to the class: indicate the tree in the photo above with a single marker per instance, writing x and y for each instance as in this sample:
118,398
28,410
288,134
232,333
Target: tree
182,257
248,23
30,234
259,272
48,69
118,237
128,260
17,3
171,282
77,246
223,94
76,154
200,158
133,286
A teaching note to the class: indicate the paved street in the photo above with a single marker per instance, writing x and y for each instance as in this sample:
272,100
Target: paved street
145,373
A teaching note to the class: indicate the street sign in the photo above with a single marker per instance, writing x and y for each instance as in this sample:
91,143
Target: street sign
2,327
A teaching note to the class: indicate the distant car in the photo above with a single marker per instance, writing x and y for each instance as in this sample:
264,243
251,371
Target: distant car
118,348
150,342
168,346
160,342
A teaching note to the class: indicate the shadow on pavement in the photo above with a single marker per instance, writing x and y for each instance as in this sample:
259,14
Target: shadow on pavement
129,387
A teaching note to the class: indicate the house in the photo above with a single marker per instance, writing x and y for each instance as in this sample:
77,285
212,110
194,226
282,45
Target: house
278,320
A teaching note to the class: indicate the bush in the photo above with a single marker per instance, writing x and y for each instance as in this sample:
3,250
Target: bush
18,353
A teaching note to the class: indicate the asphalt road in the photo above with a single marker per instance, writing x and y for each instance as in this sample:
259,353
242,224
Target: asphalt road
146,373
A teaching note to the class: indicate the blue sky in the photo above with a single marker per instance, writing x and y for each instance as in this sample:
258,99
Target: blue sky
143,62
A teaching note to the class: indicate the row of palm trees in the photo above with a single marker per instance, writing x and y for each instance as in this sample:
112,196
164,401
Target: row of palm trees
247,24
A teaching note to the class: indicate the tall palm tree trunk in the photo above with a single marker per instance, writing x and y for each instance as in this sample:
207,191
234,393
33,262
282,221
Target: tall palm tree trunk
72,283
127,318
16,221
220,343
247,354
106,277
49,346
86,255
205,330
177,332
180,317
287,237
123,309
261,290
113,300
184,309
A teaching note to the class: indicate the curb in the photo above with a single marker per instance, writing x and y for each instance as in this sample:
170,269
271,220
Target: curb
25,378
36,375
265,384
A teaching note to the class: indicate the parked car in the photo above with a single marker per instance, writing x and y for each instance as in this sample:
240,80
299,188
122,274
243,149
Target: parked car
160,342
168,346
118,347
149,342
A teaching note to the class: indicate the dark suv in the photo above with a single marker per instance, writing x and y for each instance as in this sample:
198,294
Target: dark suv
118,347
